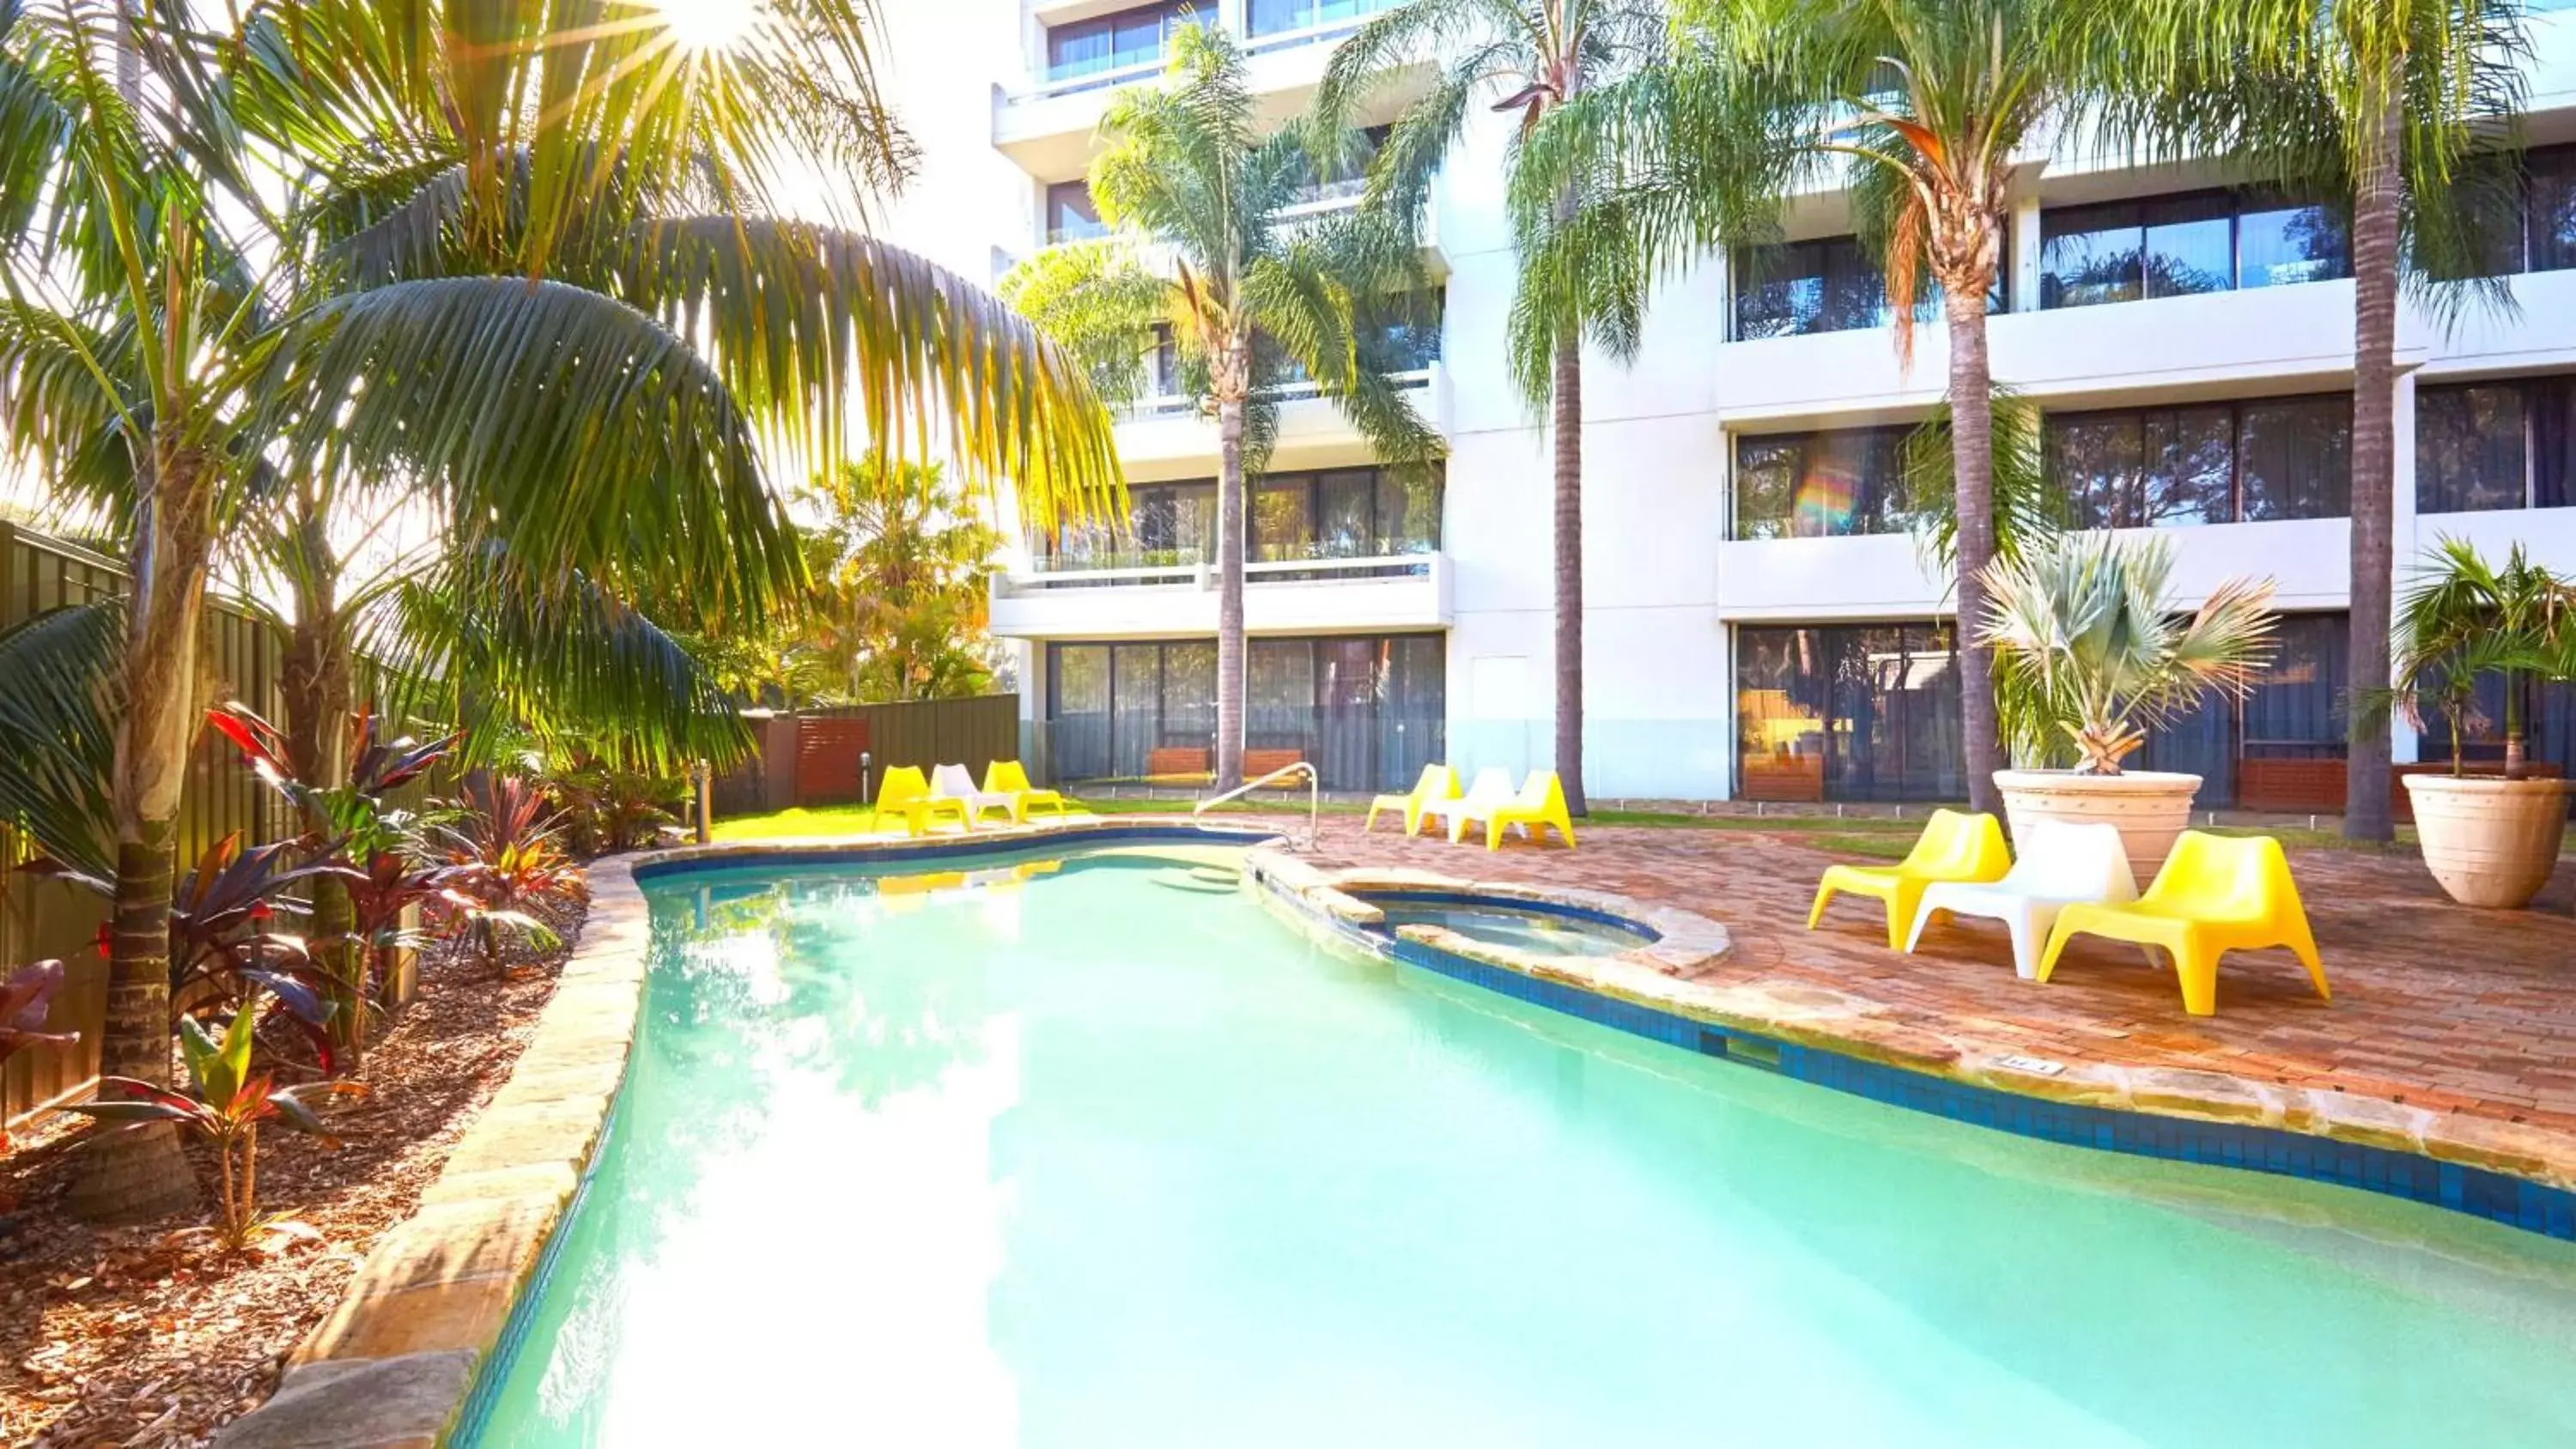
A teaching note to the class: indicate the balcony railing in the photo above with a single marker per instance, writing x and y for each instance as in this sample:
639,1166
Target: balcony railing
1105,78
1168,405
1184,569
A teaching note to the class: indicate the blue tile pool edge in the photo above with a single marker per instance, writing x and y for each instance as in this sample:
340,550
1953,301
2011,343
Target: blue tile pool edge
484,1392
2497,1197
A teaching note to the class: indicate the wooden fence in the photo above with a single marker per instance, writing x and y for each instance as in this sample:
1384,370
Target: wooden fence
41,919
811,757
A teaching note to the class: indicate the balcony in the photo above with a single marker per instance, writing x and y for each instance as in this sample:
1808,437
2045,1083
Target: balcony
1172,430
1047,126
1178,600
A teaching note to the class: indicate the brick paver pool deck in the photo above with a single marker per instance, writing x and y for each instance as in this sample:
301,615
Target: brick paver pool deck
2465,1014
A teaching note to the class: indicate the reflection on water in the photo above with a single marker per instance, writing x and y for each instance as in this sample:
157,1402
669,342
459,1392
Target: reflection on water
1039,1158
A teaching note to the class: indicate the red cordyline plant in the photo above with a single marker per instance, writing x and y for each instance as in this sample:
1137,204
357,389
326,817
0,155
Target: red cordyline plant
24,999
507,856
232,920
225,1103
369,851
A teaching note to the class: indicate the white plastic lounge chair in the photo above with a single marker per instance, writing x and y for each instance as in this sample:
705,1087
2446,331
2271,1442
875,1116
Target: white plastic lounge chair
951,782
2061,864
1491,792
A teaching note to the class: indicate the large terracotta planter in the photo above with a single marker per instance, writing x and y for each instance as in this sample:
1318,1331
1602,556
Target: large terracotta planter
2149,807
2490,842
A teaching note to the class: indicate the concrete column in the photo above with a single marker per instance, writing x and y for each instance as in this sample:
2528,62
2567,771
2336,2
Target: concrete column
2024,288
2404,743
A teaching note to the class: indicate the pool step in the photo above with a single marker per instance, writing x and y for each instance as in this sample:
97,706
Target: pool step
1206,880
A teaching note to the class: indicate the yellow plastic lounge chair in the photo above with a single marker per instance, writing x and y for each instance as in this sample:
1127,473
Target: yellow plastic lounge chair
1955,846
1539,806
1005,777
1491,791
951,782
2216,894
1438,782
905,795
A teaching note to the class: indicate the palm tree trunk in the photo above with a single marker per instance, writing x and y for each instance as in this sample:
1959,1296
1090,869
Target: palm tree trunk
317,691
1972,444
2366,814
138,1174
1229,594
1567,424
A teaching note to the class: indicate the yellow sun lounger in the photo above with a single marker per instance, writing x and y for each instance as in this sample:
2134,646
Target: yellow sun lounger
1006,777
1438,782
1539,806
904,793
2216,894
1954,846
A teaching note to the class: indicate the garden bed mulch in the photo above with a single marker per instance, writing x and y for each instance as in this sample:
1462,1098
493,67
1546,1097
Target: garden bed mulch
152,1335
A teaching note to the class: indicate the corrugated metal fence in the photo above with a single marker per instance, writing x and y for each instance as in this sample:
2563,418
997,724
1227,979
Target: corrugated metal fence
921,733
40,919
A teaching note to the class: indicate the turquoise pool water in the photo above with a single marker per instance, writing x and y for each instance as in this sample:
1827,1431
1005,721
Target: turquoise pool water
1069,1158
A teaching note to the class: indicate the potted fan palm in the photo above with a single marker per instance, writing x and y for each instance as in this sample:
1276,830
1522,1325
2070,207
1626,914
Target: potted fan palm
2090,654
2490,839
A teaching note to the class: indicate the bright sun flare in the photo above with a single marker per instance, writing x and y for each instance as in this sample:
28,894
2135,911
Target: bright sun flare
702,25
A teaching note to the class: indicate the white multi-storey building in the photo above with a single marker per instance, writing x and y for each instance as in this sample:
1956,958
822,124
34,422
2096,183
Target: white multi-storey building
1760,619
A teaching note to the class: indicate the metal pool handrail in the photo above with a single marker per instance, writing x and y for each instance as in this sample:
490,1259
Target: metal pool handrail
1314,796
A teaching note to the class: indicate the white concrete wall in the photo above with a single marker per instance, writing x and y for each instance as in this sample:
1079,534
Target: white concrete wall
1662,583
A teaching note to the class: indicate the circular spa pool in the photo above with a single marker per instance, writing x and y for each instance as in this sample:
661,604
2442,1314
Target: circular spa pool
1541,928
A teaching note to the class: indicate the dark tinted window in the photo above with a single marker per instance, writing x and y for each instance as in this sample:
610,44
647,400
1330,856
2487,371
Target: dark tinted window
1070,215
2494,445
2174,246
2092,254
1112,42
2279,243
1368,711
2551,209
2294,459
1811,286
2206,463
1821,484
1338,513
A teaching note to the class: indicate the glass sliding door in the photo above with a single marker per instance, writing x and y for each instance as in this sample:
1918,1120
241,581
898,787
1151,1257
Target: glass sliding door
1280,711
1367,711
1136,691
1189,697
1412,711
1078,711
1864,712
1347,675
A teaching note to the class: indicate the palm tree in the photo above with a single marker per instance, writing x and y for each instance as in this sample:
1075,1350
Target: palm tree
1922,108
2405,106
1253,296
902,579
520,266
1528,57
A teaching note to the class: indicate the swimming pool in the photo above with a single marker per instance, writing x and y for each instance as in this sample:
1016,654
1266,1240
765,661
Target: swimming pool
1066,1157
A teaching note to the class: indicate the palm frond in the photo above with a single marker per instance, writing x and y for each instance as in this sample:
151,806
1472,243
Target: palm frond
2086,639
2030,512
537,410
804,321
57,731
482,643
